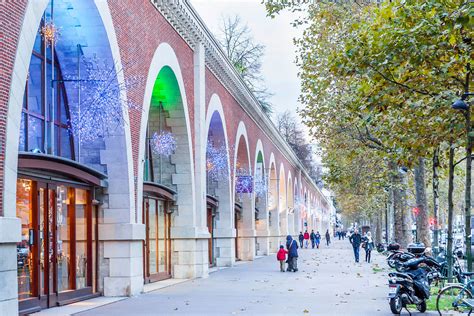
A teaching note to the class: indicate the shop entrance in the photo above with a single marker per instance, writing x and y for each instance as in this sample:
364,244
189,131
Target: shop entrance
212,205
157,246
56,256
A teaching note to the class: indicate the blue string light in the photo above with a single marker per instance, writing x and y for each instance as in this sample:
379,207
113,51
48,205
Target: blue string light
216,162
102,100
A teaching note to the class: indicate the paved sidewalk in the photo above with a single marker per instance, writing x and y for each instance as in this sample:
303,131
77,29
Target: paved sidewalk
328,283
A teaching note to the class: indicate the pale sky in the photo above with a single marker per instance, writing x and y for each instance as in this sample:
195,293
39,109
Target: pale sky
279,69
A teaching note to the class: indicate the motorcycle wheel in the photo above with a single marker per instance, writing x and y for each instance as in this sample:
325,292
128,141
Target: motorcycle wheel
421,307
396,305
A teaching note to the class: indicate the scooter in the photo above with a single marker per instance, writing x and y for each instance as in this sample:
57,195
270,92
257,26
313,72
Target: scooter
412,286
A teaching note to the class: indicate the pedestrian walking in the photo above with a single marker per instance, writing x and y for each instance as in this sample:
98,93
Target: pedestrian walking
301,238
281,256
306,239
368,246
317,239
355,240
313,238
328,238
292,247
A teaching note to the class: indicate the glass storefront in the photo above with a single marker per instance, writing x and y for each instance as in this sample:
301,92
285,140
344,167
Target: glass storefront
55,257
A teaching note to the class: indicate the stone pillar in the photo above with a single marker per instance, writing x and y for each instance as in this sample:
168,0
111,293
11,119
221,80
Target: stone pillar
224,233
10,231
121,233
262,228
247,233
274,240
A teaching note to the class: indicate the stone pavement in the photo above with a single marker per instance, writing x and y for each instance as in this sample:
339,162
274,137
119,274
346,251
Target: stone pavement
328,283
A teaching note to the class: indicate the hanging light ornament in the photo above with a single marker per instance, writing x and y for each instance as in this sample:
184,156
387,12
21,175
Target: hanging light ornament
243,182
216,161
261,187
50,33
163,143
103,100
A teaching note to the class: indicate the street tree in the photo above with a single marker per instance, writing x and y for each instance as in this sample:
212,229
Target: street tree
246,55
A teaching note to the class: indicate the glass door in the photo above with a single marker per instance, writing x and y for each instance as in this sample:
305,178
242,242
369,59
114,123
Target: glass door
157,245
50,249
56,243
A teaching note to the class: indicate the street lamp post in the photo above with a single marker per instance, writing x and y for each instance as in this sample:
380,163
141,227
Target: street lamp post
465,108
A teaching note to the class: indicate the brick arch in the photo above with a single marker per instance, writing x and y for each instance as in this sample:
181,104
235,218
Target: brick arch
261,225
273,214
222,186
245,224
114,160
282,203
165,56
290,193
297,199
181,163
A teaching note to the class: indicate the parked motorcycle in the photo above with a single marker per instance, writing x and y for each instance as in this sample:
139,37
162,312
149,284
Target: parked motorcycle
413,285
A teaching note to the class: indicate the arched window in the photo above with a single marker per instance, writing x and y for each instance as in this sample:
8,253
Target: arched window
43,113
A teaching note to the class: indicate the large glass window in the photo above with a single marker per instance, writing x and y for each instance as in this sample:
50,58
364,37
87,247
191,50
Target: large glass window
24,249
44,128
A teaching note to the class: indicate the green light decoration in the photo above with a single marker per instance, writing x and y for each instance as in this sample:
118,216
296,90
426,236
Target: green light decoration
166,90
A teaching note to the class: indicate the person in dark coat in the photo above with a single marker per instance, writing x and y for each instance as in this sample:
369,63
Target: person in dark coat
301,238
356,240
328,237
292,246
317,239
313,238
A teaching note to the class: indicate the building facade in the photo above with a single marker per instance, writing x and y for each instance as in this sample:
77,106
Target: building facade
131,152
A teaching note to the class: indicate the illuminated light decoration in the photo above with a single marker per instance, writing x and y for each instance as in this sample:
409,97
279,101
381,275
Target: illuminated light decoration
102,100
261,187
50,33
163,143
244,184
216,161
243,181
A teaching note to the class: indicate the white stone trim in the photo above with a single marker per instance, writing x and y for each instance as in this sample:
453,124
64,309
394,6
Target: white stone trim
32,18
258,149
241,132
104,12
215,105
164,56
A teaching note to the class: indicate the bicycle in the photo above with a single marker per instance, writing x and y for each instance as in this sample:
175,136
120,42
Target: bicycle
457,297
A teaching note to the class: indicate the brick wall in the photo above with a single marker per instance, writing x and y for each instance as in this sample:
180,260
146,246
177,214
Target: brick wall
140,29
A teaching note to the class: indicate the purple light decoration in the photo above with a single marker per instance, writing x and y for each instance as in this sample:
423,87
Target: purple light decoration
163,143
243,183
102,101
216,161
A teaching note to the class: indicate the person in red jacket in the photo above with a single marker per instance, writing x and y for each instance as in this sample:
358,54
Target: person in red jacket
306,239
281,256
